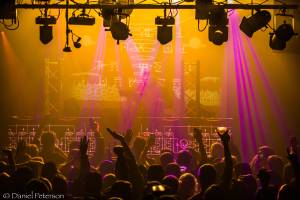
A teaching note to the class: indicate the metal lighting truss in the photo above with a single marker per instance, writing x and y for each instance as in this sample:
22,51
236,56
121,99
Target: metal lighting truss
101,5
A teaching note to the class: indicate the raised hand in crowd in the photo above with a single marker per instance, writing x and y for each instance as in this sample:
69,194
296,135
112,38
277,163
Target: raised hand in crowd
227,175
149,143
95,126
11,160
21,155
116,136
224,136
134,175
39,131
293,158
197,134
84,159
84,142
128,136
99,143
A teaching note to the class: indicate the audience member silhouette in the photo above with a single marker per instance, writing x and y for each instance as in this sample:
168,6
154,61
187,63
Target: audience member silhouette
266,191
187,186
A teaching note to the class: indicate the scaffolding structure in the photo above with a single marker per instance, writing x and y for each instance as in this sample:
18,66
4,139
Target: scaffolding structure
191,88
53,87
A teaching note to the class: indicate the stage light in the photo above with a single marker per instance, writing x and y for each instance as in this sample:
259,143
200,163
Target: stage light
257,21
218,16
111,15
125,12
107,15
46,34
76,39
280,36
164,34
67,49
82,20
8,10
45,31
275,43
45,20
119,31
218,30
285,32
77,43
202,10
218,34
164,29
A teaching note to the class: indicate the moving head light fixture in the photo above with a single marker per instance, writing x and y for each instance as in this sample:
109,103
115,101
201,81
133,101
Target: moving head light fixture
119,31
45,30
67,48
202,9
108,16
8,12
164,29
45,20
76,43
111,15
282,34
218,30
112,19
82,19
257,21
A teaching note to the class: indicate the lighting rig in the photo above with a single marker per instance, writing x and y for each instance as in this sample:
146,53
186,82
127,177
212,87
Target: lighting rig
116,13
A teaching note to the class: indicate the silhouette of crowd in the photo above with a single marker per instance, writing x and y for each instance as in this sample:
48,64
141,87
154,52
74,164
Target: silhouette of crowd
44,169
